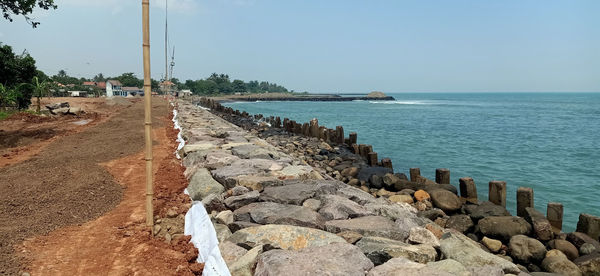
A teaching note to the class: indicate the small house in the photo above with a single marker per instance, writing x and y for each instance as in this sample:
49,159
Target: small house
114,88
132,91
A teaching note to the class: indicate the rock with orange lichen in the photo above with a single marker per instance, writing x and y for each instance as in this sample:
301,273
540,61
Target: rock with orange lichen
284,237
421,195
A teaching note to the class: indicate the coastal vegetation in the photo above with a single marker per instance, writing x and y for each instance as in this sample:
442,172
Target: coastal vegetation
220,84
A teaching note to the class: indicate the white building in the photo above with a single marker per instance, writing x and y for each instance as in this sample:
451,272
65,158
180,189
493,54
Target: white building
113,88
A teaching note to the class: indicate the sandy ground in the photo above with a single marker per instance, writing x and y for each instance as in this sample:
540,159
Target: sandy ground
92,178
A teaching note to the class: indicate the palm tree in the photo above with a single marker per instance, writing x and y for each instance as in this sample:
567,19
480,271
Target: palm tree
39,90
7,96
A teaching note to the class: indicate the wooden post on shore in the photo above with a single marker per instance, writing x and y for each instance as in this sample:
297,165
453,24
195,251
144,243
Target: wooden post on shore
554,214
497,192
372,158
353,138
524,200
147,113
387,163
314,128
339,133
468,190
442,176
414,174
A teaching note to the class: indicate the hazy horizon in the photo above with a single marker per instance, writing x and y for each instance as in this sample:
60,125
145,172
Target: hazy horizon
331,47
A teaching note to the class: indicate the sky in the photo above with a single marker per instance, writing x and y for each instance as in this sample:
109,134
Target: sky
349,46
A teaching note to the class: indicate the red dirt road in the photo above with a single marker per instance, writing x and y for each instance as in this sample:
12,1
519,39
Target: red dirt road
83,176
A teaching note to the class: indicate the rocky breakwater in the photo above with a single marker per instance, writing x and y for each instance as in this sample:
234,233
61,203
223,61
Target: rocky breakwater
281,205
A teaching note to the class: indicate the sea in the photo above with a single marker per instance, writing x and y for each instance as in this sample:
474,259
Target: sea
547,141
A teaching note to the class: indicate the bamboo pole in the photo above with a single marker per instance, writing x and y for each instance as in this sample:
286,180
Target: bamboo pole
147,114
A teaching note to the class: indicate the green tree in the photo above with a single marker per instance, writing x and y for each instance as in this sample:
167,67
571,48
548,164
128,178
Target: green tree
25,8
99,78
129,79
238,86
40,89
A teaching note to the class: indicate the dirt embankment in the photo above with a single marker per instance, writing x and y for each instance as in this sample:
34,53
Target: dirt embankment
75,180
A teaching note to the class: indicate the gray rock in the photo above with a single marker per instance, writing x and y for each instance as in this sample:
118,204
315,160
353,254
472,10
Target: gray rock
565,247
461,223
504,227
245,264
541,226
557,262
338,207
218,159
578,239
589,264
295,193
405,224
313,204
225,217
334,259
234,202
445,200
589,225
379,250
392,211
586,249
231,252
275,213
250,151
458,247
420,235
487,270
432,214
228,175
357,195
366,172
486,209
202,184
376,181
214,202
283,236
367,226
239,190
451,266
526,249
405,267
223,231
237,225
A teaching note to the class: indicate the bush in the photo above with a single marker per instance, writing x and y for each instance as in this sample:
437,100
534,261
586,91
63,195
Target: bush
24,97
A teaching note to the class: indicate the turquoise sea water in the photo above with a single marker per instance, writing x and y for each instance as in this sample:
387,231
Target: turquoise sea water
547,141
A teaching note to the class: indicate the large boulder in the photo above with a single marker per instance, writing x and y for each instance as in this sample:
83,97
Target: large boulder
406,267
589,264
541,225
234,202
392,211
462,249
565,247
250,151
445,200
420,235
379,250
283,236
504,227
202,184
526,250
365,173
275,213
334,207
451,266
228,175
578,239
244,265
461,223
219,159
367,226
295,193
357,195
231,252
333,259
557,262
485,209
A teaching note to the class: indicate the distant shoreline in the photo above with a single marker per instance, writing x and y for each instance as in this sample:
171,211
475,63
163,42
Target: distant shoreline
297,97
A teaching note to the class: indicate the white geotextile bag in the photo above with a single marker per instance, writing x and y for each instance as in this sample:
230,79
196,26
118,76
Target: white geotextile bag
204,237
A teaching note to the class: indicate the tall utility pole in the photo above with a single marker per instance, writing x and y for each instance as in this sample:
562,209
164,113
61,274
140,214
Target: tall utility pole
148,113
166,40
